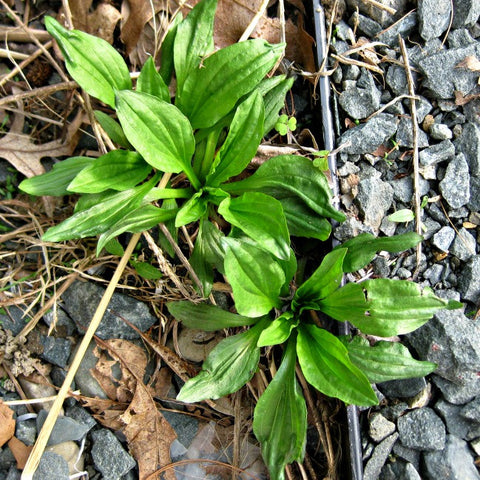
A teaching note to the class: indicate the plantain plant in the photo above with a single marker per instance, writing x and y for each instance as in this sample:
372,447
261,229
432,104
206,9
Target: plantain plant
222,107
203,130
338,367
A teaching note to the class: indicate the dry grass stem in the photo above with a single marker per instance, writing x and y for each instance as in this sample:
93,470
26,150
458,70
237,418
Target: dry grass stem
416,166
258,15
381,6
358,63
41,442
16,34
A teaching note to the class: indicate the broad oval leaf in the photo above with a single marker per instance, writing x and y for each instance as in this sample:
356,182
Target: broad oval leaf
116,170
280,418
158,130
325,363
256,278
362,248
325,280
100,217
56,181
151,82
211,91
278,330
261,218
384,307
385,360
193,40
202,316
229,366
92,62
241,144
288,176
192,210
136,221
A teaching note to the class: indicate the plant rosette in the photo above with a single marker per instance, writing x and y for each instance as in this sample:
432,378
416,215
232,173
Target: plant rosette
343,367
222,108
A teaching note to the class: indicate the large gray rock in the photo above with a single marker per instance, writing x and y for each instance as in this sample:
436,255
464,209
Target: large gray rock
443,78
474,203
434,17
422,429
464,246
52,466
361,99
81,301
109,456
404,136
465,12
469,281
457,424
459,394
455,462
403,27
65,429
469,144
380,427
443,238
379,457
56,350
451,340
368,137
455,186
381,16
437,153
399,470
374,199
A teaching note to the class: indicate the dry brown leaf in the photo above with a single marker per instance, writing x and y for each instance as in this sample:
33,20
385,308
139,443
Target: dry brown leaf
461,100
19,150
20,451
470,63
101,22
7,424
148,434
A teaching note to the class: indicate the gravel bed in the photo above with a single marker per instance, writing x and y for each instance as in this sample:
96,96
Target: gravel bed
425,428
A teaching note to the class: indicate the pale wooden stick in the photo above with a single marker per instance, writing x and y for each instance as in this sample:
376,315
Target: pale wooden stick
39,447
251,27
416,167
381,6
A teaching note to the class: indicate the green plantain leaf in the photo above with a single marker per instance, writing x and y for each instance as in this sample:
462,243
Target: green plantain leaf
385,360
261,218
229,366
112,129
362,248
280,418
241,144
324,281
192,210
325,363
56,181
136,221
384,307
158,130
256,278
92,62
166,50
146,270
211,91
116,170
193,40
288,176
207,254
278,330
209,318
100,217
150,81
302,221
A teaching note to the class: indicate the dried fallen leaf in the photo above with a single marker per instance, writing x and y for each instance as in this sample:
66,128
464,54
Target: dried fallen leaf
470,63
19,150
7,424
101,22
461,100
20,451
148,433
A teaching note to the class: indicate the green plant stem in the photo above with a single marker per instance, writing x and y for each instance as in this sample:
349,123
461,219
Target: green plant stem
209,153
192,176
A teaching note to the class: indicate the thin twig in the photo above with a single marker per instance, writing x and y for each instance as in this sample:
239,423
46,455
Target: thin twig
416,167
41,443
358,63
381,6
251,27
390,103
15,34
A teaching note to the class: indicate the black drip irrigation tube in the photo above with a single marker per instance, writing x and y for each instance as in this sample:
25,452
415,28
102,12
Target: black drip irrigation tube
354,439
